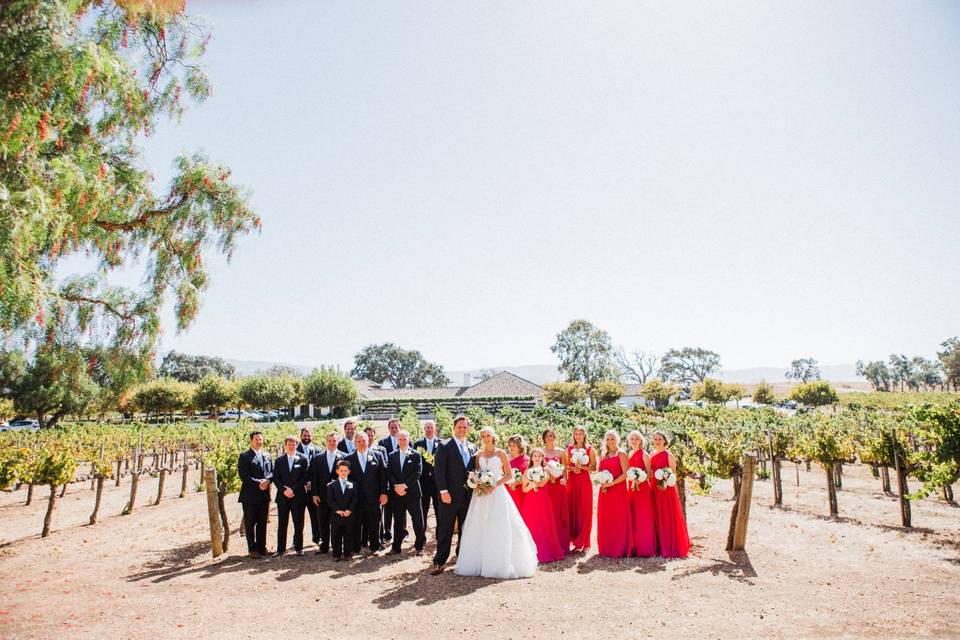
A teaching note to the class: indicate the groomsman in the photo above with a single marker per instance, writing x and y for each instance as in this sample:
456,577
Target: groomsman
255,470
389,445
372,443
455,459
429,443
368,472
308,449
342,499
404,467
323,470
290,474
349,433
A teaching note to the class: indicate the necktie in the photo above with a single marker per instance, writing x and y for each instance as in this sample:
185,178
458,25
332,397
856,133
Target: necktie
363,463
463,454
343,486
330,461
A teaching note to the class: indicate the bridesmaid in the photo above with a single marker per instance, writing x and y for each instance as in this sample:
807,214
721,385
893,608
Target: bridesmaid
516,450
614,532
641,500
671,525
580,492
537,513
555,488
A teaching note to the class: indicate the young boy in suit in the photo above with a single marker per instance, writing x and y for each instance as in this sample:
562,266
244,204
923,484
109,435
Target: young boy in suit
342,498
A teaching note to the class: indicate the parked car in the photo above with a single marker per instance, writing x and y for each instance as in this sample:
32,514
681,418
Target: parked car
17,425
233,414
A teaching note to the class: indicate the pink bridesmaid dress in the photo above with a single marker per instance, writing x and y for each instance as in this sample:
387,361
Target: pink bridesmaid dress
516,489
558,504
671,525
642,513
579,505
614,530
538,515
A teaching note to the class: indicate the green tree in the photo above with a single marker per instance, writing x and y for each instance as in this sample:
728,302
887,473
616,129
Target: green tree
689,364
266,392
606,392
659,392
326,387
7,410
564,393
877,374
803,370
163,396
188,368
212,393
586,355
400,367
763,393
52,384
950,361
82,83
714,391
814,394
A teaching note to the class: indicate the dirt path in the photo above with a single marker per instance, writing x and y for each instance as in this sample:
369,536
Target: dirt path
150,573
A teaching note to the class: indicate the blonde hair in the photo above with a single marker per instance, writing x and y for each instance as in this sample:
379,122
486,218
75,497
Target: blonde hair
643,441
616,437
573,437
490,430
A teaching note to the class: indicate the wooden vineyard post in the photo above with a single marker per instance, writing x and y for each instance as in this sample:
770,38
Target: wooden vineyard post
163,476
213,511
775,473
901,483
743,502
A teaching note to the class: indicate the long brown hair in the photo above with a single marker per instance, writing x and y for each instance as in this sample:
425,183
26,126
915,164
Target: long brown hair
573,438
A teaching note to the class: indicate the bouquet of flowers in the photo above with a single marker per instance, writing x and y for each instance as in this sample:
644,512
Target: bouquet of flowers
579,456
536,475
517,476
554,468
481,482
427,456
600,478
636,474
665,478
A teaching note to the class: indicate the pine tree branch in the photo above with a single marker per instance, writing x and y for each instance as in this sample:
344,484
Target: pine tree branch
143,218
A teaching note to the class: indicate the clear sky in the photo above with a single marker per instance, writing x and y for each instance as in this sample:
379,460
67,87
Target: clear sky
768,180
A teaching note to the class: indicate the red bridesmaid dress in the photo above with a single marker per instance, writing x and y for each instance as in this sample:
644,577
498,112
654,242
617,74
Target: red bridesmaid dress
642,513
614,530
558,503
538,514
580,505
516,489
671,525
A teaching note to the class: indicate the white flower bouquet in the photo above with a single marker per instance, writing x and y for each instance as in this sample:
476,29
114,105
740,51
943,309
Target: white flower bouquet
554,468
580,456
636,474
665,478
517,476
481,482
536,474
601,478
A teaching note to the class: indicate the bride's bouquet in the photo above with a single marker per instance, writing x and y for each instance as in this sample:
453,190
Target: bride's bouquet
554,468
601,478
579,456
481,482
536,476
636,474
665,478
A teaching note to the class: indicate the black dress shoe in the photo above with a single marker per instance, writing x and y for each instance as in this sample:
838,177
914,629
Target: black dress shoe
278,554
394,552
418,552
300,552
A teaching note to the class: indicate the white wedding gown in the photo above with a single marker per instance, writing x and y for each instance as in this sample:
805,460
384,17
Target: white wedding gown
495,542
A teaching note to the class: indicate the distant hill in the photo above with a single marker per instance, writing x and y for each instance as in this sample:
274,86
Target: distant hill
832,372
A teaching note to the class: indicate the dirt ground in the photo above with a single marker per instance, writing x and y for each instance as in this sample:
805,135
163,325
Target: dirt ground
150,574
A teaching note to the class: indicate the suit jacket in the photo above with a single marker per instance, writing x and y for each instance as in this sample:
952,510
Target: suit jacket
320,474
308,451
387,445
427,483
450,473
342,446
372,482
251,471
340,500
284,476
408,474
380,451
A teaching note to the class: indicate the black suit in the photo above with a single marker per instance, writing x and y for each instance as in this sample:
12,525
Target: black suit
342,527
342,446
320,476
450,474
386,444
371,483
309,452
407,474
254,500
428,486
295,479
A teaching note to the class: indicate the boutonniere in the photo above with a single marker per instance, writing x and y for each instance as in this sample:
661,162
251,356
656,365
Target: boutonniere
349,485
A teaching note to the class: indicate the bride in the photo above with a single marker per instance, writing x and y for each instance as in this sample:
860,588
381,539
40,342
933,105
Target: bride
495,541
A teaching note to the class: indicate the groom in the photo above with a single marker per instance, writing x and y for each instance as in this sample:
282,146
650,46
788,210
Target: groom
453,460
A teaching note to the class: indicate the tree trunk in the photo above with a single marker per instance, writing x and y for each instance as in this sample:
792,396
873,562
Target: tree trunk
163,476
48,517
63,489
682,493
838,474
134,481
119,464
737,479
96,504
186,469
703,477
902,490
216,535
733,512
29,495
832,492
947,493
222,507
775,474
885,479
